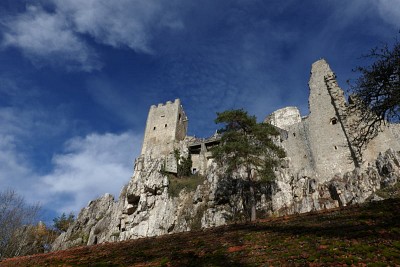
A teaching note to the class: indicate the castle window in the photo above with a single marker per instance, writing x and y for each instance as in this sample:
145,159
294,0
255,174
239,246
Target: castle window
165,126
335,147
162,116
154,128
180,117
333,121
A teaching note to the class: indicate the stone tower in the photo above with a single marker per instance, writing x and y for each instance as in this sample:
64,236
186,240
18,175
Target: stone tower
330,144
318,144
166,124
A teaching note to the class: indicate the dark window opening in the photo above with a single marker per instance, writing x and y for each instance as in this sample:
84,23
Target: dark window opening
335,147
180,116
162,116
154,128
165,126
333,121
294,134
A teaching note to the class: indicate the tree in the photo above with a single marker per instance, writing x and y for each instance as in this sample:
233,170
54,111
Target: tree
377,92
62,223
247,145
15,217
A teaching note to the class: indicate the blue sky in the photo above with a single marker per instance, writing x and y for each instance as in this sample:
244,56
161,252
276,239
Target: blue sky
77,77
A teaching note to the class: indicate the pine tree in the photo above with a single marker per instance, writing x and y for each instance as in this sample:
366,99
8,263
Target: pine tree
248,145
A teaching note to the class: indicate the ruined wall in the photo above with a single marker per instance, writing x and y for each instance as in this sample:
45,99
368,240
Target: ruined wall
293,138
327,136
284,117
317,145
387,138
166,124
322,144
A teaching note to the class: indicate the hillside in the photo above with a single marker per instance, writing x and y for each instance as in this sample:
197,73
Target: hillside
365,235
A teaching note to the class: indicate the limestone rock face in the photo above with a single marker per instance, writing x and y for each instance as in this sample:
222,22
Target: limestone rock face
320,172
146,208
91,225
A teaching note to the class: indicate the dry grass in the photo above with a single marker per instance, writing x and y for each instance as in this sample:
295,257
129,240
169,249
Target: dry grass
367,235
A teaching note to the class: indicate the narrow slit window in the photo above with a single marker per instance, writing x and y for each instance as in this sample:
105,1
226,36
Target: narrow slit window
165,125
154,128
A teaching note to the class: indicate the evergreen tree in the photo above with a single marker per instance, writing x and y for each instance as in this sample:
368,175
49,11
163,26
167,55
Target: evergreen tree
247,145
63,222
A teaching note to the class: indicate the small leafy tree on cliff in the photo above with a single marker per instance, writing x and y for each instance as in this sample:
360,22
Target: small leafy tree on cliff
377,91
184,164
62,222
247,145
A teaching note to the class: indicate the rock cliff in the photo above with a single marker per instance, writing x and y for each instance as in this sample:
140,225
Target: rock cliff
318,173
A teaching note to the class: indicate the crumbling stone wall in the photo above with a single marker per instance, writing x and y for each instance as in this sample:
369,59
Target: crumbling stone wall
322,144
328,140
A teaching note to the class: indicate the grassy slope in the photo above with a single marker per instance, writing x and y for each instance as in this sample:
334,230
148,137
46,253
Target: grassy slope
367,235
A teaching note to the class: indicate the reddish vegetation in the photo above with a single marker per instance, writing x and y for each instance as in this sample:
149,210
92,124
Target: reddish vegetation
355,236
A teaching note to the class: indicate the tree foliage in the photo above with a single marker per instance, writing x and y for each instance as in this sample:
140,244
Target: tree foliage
62,222
19,234
377,91
184,164
379,84
247,145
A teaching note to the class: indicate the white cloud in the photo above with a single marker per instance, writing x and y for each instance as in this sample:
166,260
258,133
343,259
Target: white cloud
120,23
88,168
12,164
41,35
57,37
389,11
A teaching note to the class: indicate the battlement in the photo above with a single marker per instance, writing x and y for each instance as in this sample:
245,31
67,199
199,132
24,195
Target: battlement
177,102
166,125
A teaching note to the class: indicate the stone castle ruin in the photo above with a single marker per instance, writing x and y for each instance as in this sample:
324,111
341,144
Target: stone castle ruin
321,143
324,168
166,129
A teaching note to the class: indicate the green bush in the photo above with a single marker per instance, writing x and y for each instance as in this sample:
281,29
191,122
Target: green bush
176,185
184,165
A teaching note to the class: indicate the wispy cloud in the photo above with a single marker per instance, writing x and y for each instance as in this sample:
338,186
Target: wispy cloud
389,11
122,22
85,167
89,167
58,37
47,38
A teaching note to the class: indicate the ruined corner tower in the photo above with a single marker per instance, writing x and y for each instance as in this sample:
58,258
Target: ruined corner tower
166,125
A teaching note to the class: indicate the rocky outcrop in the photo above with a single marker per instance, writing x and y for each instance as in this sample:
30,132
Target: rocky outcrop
319,172
91,225
146,207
